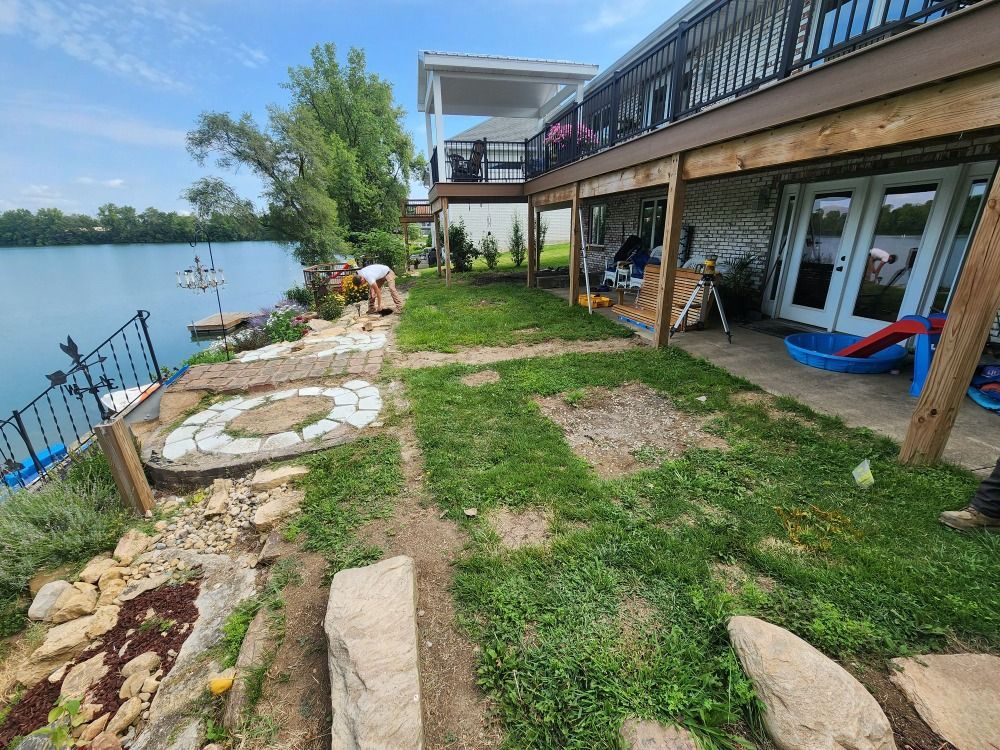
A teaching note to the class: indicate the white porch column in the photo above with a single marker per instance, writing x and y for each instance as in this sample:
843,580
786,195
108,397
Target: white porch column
430,137
439,129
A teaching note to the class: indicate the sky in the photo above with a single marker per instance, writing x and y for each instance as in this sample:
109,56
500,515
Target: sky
96,97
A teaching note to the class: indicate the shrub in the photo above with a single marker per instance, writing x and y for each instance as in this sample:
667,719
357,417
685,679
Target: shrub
353,289
382,247
516,245
285,324
208,356
489,250
331,307
462,251
300,295
543,229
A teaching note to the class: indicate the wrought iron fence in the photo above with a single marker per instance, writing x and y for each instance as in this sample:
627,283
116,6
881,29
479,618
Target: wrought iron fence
728,49
481,161
60,421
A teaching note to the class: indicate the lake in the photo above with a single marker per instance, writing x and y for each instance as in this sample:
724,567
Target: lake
89,291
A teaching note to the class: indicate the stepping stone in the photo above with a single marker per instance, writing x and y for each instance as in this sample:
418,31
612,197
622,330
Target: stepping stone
354,385
642,734
208,431
281,440
368,392
341,413
335,392
182,433
226,416
311,391
173,451
319,429
214,443
371,630
229,403
199,418
346,398
252,403
282,395
266,479
371,403
239,446
810,700
958,695
362,418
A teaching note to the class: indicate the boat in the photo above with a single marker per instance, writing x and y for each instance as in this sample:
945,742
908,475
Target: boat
28,473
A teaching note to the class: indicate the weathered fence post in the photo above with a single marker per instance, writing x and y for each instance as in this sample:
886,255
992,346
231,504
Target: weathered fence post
118,444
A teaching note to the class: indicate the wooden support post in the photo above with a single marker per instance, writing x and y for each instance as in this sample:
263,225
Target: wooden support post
574,246
671,243
532,242
447,242
434,238
118,444
970,316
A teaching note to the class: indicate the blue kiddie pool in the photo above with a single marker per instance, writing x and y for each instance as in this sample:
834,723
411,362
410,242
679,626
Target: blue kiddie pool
817,350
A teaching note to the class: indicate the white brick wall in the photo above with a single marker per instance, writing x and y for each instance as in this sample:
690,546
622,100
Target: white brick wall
497,217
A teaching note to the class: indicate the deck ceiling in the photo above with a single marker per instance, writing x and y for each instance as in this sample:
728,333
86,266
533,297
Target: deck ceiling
489,86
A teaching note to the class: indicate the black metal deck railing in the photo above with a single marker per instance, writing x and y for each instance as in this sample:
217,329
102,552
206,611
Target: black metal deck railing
481,161
60,420
727,50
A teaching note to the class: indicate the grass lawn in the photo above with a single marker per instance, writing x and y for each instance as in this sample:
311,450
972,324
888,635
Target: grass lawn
623,612
437,318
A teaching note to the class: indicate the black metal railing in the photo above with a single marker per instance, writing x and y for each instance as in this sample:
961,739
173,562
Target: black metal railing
60,421
481,161
727,50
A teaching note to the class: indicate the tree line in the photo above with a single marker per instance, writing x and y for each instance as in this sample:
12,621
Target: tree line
120,224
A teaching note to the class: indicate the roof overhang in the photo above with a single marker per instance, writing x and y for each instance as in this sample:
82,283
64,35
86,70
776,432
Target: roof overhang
491,86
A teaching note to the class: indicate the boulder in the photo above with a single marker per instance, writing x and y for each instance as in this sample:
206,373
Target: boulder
109,576
810,700
130,546
642,734
106,741
74,602
125,717
95,569
62,644
142,585
110,592
82,676
318,324
46,598
274,547
371,630
105,618
278,507
219,501
133,685
95,727
144,664
958,695
265,479
257,646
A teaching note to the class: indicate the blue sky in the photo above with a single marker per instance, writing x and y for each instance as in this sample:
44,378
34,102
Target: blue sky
95,97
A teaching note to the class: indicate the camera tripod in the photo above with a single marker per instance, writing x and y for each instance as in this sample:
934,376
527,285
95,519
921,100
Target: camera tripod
707,285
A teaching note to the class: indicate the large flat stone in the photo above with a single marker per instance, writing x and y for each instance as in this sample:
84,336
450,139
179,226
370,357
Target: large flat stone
78,600
46,599
130,546
958,695
811,701
257,646
371,631
62,643
640,734
265,479
280,506
80,678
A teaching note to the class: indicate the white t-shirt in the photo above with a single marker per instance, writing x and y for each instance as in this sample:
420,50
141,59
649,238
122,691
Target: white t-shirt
374,272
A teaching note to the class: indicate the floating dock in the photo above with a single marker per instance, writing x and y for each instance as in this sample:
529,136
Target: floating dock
213,325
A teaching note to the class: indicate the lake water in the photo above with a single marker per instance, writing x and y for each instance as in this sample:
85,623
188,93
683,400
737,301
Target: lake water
89,291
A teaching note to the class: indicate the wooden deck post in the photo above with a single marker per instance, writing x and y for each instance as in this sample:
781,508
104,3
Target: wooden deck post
671,243
532,242
447,242
434,237
574,246
970,316
118,444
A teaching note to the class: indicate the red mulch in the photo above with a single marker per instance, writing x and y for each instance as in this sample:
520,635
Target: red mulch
169,602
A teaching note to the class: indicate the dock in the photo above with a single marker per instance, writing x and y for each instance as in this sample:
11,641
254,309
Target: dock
213,325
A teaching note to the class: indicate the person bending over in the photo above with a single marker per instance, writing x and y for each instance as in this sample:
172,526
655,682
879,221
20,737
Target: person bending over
378,276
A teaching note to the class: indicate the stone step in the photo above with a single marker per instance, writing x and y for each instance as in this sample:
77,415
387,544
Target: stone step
371,630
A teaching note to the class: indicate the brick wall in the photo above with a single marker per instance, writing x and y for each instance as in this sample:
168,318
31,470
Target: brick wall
735,214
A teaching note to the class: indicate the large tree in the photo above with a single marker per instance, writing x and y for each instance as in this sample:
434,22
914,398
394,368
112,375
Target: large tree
335,161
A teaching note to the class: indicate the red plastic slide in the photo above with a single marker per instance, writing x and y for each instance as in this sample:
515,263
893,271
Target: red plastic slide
902,329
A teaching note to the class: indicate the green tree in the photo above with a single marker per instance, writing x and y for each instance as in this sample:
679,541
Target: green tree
516,244
336,160
460,247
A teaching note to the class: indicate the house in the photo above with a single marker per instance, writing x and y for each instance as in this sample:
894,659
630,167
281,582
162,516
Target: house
845,149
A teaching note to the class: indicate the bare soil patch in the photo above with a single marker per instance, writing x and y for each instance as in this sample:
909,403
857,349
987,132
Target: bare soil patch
521,529
482,355
483,377
734,578
174,404
636,617
457,715
617,429
279,416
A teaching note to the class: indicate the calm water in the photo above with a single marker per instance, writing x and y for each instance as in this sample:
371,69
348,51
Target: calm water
88,291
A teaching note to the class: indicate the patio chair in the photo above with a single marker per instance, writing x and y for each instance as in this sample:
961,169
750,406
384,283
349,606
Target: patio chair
471,169
614,269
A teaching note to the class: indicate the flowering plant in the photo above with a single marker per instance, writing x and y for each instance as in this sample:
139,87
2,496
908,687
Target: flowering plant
560,134
353,289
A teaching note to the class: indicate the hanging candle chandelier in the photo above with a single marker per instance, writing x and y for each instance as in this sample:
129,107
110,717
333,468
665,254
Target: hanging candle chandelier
201,278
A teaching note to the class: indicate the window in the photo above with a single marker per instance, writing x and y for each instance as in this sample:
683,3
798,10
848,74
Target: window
651,219
596,236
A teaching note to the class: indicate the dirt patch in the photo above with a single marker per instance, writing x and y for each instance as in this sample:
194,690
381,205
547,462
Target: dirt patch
280,416
521,529
768,402
296,694
175,404
457,715
734,578
619,430
482,355
909,730
483,377
636,617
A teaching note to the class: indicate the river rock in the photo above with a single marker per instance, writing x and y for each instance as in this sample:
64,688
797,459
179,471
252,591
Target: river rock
106,741
130,546
62,643
132,685
96,568
83,676
265,479
125,716
274,510
958,695
640,734
371,630
145,664
257,646
811,701
105,619
74,602
46,598
95,727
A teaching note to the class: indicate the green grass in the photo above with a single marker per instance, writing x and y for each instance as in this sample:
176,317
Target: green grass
621,614
234,629
63,521
347,486
208,357
438,318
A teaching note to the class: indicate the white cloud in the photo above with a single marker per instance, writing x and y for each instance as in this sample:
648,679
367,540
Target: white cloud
62,114
120,37
42,195
611,15
115,182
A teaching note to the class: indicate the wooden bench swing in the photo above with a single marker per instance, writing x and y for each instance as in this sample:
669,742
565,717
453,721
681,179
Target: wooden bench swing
643,312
